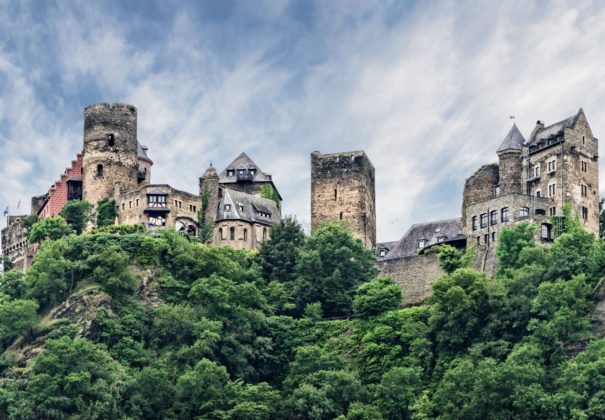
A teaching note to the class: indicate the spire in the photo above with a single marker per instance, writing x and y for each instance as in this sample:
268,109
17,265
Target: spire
513,140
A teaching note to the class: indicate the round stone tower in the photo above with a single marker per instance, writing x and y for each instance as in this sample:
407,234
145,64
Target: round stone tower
209,181
510,162
110,151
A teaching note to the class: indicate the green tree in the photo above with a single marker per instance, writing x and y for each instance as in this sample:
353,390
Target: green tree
29,222
112,273
77,214
16,317
106,212
332,265
510,244
451,259
278,256
397,392
377,296
52,228
206,226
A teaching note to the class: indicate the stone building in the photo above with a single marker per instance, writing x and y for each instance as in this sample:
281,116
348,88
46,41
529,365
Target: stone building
113,164
343,188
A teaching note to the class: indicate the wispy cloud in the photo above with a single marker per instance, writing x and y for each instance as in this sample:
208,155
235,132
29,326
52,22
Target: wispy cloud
425,88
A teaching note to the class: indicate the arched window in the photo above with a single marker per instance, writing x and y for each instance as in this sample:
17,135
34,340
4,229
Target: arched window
264,234
245,235
99,170
232,233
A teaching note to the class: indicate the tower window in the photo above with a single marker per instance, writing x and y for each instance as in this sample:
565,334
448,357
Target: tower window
111,140
340,215
552,190
220,233
584,213
497,191
232,233
583,140
335,194
537,171
245,235
584,190
264,234
583,166
99,170
474,222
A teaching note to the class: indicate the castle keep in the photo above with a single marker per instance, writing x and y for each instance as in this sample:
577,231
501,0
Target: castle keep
343,188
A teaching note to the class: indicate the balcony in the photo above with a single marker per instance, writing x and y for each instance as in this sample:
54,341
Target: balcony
244,177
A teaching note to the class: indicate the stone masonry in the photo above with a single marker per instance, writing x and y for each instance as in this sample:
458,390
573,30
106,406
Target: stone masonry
343,188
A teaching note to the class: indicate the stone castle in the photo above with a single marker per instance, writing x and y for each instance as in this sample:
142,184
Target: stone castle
114,165
532,180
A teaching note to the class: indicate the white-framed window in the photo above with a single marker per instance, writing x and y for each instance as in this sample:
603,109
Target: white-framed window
537,171
524,212
421,243
545,231
494,217
552,190
383,252
552,165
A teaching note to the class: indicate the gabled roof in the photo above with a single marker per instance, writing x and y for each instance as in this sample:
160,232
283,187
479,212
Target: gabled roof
431,233
253,209
553,130
513,140
243,161
157,191
142,152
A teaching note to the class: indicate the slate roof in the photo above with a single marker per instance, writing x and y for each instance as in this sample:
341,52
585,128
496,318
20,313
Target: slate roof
553,130
513,140
142,152
243,161
251,208
157,191
430,232
387,246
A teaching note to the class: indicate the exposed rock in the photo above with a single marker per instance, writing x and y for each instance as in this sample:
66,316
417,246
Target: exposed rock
147,293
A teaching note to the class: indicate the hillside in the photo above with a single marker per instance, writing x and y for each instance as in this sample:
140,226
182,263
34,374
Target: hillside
108,325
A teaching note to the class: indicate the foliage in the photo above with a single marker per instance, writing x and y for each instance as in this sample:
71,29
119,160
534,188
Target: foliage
511,242
106,212
52,228
278,256
118,229
377,296
77,214
206,226
451,259
29,222
269,192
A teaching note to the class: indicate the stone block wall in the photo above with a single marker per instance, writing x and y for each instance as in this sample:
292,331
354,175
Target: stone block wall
479,187
246,235
510,171
414,274
343,188
14,243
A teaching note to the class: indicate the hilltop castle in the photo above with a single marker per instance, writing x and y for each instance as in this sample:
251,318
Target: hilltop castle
114,165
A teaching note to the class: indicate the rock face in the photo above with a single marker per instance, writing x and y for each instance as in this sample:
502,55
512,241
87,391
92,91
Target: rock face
82,309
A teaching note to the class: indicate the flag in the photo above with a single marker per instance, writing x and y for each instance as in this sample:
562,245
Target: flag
19,203
6,211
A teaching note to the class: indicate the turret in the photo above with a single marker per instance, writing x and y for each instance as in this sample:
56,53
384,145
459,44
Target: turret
110,150
209,190
510,164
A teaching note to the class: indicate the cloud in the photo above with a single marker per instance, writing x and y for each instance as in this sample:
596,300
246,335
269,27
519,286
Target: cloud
425,89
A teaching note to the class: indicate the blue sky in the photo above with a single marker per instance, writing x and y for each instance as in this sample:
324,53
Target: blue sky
425,88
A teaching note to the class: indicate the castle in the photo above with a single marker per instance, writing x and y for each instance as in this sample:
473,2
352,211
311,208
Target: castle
114,165
532,181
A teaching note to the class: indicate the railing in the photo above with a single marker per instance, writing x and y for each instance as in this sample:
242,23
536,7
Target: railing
244,176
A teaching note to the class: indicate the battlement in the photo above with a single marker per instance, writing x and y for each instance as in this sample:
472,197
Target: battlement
339,164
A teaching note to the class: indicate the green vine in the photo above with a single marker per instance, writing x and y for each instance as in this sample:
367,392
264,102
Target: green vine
268,191
206,227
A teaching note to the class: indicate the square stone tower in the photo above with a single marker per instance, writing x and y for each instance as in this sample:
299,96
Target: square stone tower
343,188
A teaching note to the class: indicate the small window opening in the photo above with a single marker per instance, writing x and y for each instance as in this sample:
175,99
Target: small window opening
220,233
335,194
232,233
245,235
264,234
340,215
99,170
584,140
111,140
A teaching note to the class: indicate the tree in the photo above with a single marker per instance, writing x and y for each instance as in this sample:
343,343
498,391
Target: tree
106,212
77,214
397,392
111,272
451,259
278,256
206,226
377,296
16,317
28,222
332,265
52,228
510,244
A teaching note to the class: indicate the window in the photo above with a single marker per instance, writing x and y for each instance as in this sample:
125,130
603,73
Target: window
474,222
537,171
484,220
440,239
156,221
137,202
252,172
493,237
111,140
494,217
241,207
584,213
335,194
538,193
123,206
176,203
340,215
583,140
194,209
230,172
245,235
552,211
524,212
583,166
584,190
241,172
504,216
552,166
99,171
545,231
220,233
486,239
130,204
232,233
383,252
478,240
497,191
552,190
264,234
227,207
421,243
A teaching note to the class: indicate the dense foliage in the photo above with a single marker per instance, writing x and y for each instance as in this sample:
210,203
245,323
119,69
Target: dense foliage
164,326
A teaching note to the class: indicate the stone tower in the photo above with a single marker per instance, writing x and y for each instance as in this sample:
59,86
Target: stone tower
110,150
343,188
510,165
210,181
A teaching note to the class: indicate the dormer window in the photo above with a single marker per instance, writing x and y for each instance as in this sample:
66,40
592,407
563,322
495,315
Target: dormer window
111,140
241,207
383,252
230,172
253,172
421,243
227,207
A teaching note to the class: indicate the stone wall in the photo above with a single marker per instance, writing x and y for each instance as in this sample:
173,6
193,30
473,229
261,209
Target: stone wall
343,188
117,155
479,187
510,170
14,243
414,274
246,235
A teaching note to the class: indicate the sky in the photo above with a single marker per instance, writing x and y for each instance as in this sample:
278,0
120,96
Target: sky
425,88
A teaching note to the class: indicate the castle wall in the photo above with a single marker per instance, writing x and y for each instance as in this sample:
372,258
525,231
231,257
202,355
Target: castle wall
14,243
250,240
110,150
414,274
343,188
479,187
58,193
509,172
